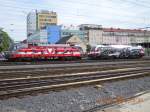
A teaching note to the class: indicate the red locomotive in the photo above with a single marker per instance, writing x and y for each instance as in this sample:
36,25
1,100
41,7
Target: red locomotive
46,52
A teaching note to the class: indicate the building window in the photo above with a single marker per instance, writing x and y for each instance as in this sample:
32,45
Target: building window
53,16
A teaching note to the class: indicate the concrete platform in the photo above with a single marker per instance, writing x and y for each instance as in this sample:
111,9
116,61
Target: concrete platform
10,109
139,104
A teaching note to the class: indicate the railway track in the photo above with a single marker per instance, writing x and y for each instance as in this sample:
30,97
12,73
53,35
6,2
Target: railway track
36,72
62,65
27,86
39,62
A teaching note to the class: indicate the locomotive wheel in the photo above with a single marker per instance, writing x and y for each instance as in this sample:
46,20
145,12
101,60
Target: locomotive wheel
61,58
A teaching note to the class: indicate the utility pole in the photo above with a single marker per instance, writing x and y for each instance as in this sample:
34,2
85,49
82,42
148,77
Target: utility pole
1,36
146,42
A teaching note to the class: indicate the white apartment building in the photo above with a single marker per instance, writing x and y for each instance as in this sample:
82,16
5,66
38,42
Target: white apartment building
31,23
95,37
125,36
92,33
96,34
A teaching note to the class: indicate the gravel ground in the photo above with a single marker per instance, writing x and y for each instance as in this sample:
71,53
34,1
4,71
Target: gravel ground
76,100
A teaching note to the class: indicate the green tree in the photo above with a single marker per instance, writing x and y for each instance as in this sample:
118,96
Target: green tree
5,41
88,48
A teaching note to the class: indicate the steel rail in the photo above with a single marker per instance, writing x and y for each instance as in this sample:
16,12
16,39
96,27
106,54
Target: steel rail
76,67
71,81
56,66
35,83
8,75
67,65
74,74
56,77
6,62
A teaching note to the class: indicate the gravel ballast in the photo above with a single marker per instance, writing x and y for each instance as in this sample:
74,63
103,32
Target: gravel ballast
76,99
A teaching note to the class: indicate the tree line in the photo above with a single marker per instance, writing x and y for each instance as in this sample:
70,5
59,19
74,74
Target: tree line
5,41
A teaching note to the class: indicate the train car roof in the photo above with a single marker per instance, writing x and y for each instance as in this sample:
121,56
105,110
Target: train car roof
136,47
120,46
99,46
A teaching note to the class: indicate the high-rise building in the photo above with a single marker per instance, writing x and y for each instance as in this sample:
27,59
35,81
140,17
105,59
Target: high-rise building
31,23
38,20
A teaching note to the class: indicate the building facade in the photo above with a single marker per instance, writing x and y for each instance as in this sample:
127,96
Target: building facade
19,45
38,38
92,33
31,23
45,18
73,40
95,35
67,32
40,19
53,33
49,35
125,36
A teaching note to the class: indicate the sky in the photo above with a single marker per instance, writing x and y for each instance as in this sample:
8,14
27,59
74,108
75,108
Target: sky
108,13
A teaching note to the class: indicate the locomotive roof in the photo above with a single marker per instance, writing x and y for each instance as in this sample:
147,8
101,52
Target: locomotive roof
119,46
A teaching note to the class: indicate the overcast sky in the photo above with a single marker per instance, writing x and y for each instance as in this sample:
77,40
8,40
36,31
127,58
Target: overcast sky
108,13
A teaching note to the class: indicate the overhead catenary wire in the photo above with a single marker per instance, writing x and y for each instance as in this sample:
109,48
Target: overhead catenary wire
74,14
45,6
69,14
80,15
137,3
40,6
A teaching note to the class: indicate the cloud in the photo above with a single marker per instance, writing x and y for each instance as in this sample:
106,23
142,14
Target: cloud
109,13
